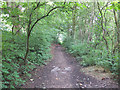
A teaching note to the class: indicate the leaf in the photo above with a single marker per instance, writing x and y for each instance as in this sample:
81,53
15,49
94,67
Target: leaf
5,71
15,74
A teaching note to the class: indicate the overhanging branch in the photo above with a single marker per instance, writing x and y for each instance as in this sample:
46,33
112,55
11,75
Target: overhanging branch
44,16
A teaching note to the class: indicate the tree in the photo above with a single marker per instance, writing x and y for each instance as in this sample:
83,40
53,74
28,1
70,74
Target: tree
29,18
118,35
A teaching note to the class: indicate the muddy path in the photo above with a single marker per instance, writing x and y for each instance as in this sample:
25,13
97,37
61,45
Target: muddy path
63,71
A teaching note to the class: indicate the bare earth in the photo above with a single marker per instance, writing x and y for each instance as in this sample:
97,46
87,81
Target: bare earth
63,71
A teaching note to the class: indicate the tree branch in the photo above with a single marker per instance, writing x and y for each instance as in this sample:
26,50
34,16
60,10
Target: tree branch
105,6
37,5
20,28
44,16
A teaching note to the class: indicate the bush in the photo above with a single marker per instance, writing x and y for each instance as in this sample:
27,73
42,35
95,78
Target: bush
13,51
39,46
13,47
91,56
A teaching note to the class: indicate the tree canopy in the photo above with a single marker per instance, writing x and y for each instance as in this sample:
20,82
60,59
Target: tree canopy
89,30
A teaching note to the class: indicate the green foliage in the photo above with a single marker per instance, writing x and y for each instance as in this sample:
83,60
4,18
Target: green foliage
93,44
14,43
88,55
95,41
13,51
39,45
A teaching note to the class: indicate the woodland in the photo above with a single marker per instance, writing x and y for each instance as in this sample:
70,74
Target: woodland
90,31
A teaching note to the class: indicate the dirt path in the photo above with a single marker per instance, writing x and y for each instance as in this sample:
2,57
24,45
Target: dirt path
63,72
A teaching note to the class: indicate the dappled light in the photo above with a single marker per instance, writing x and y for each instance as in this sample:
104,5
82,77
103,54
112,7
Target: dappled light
60,44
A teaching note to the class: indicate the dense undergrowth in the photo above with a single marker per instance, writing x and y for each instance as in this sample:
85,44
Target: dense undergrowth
13,51
88,55
91,31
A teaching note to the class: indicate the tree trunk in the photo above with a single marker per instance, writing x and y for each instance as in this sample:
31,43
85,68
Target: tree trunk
117,28
106,43
74,21
118,38
27,48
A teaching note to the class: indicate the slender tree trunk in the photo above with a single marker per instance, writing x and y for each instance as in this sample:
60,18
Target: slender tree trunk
80,31
74,21
117,22
12,29
117,28
27,42
68,30
27,48
118,38
103,27
90,28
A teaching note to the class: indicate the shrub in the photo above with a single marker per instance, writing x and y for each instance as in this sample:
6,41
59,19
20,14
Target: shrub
92,56
13,51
